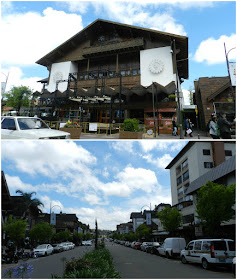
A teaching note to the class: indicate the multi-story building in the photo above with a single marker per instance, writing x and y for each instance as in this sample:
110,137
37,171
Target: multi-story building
109,71
191,163
125,228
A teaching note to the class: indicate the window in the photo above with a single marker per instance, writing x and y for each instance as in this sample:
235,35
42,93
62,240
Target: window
219,245
180,200
179,180
178,170
185,176
228,153
8,124
231,245
206,152
208,164
185,164
190,246
188,219
180,191
206,245
198,245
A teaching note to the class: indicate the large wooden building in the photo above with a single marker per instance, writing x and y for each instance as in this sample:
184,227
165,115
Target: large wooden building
96,75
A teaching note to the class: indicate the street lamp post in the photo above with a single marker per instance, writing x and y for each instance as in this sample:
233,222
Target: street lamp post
50,210
228,69
3,91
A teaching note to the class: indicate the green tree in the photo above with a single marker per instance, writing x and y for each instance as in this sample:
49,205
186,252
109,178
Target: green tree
27,205
18,97
143,231
170,219
41,232
15,229
63,236
77,238
215,205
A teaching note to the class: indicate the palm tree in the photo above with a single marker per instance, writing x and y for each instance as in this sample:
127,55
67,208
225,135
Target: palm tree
28,205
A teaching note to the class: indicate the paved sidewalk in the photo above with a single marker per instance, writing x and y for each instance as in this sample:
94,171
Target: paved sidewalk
202,135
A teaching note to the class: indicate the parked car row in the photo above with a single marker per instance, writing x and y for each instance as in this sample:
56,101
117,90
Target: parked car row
48,249
207,252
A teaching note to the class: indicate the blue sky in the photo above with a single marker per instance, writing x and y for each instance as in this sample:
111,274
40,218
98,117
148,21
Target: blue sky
31,29
106,180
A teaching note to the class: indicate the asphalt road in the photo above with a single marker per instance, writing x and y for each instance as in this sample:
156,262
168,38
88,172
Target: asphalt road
44,267
136,264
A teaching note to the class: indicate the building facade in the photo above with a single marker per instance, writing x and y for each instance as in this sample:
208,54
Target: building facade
213,95
106,72
194,161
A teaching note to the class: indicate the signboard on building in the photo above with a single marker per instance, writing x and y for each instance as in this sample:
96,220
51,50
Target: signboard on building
93,126
60,71
157,66
148,218
232,69
53,218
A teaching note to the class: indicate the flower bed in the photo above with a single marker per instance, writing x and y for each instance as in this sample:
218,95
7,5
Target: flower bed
73,128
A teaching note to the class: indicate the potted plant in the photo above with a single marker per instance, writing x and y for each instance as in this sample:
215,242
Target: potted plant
130,129
73,128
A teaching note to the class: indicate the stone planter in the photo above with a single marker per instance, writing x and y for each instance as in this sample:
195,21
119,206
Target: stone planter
74,132
130,135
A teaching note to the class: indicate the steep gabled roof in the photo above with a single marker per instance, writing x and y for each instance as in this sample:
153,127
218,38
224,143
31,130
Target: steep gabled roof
57,53
214,174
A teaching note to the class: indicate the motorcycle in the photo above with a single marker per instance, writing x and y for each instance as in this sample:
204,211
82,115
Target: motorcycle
10,257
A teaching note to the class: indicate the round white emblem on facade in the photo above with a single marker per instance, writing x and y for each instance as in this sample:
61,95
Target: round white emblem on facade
57,76
156,66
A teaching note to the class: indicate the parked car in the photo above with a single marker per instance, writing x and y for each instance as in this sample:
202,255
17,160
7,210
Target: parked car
133,244
144,245
127,244
209,252
71,245
122,242
137,245
57,248
65,246
152,248
44,250
171,247
234,265
16,127
87,243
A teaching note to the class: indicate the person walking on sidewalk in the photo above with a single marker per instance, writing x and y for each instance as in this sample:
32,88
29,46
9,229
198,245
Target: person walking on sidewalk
213,127
224,126
188,128
174,133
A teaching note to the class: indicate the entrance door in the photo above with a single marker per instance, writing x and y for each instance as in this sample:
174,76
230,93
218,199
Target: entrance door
104,116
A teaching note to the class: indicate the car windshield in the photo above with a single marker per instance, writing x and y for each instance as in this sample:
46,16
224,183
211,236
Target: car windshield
31,123
41,247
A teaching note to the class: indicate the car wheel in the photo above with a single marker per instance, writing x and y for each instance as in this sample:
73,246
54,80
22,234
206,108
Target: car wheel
167,255
205,264
183,260
45,254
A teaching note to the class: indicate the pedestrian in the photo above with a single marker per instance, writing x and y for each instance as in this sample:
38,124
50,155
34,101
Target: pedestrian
224,126
213,127
188,127
174,133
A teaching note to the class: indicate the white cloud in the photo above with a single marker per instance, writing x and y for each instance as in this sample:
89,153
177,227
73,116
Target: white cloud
15,183
161,162
16,78
134,13
93,199
29,36
50,159
122,146
56,205
212,50
186,96
171,145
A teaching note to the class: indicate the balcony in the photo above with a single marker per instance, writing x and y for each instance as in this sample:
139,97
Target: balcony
112,47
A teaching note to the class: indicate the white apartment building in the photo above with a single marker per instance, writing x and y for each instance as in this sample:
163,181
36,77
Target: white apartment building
192,162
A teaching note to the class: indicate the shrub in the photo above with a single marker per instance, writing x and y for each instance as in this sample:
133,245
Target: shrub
131,125
96,264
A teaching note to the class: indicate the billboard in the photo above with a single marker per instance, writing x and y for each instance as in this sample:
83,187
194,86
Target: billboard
232,69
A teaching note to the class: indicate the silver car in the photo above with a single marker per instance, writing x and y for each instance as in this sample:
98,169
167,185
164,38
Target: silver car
16,127
43,250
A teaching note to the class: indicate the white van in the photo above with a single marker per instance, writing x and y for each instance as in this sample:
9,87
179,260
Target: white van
171,247
209,252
